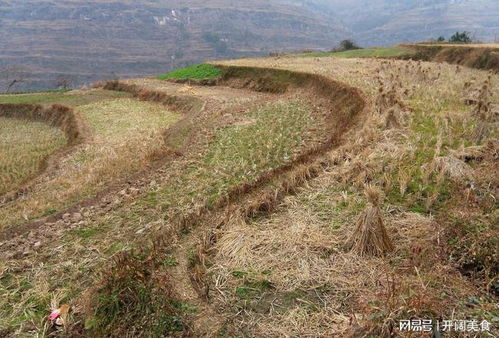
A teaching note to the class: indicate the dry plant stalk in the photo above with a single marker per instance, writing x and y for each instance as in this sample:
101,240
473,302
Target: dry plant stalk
370,237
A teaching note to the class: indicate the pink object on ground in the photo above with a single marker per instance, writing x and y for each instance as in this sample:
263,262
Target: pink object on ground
54,315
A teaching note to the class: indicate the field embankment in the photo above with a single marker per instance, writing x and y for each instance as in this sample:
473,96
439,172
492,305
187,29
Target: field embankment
122,137
485,57
24,150
56,115
24,159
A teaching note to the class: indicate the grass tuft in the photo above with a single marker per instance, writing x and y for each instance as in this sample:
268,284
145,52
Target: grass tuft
135,299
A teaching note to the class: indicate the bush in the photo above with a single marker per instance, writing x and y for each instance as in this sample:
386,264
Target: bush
348,45
463,37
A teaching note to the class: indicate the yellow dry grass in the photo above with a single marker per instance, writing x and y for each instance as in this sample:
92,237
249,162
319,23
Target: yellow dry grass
24,145
300,249
70,261
287,274
124,133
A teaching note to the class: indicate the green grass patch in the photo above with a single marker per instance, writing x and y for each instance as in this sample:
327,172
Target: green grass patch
196,72
265,139
87,233
252,288
393,51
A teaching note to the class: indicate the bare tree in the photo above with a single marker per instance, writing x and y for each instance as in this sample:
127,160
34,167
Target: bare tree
12,75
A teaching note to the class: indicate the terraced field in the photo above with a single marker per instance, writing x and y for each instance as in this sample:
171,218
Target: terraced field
209,156
234,209
25,146
123,134
289,274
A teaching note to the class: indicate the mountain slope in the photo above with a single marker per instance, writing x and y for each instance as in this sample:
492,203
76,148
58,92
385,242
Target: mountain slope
381,22
88,40
84,41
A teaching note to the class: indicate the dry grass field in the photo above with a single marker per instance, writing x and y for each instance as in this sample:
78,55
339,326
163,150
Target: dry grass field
124,133
24,146
280,204
290,275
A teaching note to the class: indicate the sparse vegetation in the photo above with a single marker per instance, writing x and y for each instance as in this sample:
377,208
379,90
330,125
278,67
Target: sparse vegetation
196,72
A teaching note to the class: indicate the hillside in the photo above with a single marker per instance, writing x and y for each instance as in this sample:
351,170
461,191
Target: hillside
83,41
384,22
322,196
90,40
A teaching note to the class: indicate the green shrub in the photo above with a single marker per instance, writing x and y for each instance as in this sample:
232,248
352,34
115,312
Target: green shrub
348,45
463,37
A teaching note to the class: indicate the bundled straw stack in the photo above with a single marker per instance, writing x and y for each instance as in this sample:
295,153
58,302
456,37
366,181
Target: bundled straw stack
370,237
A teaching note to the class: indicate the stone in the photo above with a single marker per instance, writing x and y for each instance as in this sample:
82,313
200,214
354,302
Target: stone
76,217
